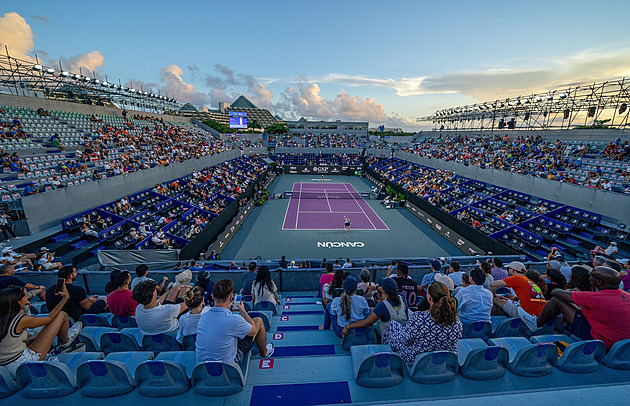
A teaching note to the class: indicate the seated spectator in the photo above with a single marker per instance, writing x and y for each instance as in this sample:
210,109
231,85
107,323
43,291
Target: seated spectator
8,278
16,344
349,307
407,286
367,287
497,270
133,233
152,316
264,288
88,230
111,285
144,230
428,279
194,299
580,279
142,271
465,283
248,278
226,336
609,251
283,263
206,284
474,302
31,189
18,257
600,315
438,329
160,240
120,301
178,290
530,294
78,303
486,267
455,273
448,282
326,277
334,288
554,279
45,259
391,307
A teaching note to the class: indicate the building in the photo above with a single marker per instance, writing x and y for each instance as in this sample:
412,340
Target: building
303,126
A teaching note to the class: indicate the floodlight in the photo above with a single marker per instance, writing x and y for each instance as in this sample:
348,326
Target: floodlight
97,81
132,90
538,99
104,84
517,102
50,71
64,74
37,67
562,95
526,101
86,79
76,76
549,97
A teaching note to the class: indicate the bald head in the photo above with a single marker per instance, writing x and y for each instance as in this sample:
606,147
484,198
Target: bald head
605,278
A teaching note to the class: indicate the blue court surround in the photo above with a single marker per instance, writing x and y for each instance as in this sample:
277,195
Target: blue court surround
304,350
301,394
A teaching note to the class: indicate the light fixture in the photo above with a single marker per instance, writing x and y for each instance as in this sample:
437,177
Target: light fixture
526,101
64,74
50,71
97,81
132,90
562,95
549,97
76,76
37,67
538,99
104,84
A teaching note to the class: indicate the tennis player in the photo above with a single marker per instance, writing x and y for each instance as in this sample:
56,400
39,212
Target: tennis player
346,224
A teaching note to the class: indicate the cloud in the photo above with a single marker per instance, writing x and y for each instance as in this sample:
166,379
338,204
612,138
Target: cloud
43,19
90,61
403,86
174,86
17,35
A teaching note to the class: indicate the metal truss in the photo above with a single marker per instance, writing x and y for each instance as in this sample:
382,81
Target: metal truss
28,78
597,105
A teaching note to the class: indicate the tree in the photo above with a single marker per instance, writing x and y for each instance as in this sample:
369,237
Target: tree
253,124
277,128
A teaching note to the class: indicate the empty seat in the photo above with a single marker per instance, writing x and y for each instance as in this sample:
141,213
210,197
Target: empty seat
619,355
217,378
7,383
266,317
269,306
509,327
45,379
582,357
376,366
187,359
479,361
118,342
161,378
91,336
433,367
477,329
112,376
527,359
358,336
160,342
121,322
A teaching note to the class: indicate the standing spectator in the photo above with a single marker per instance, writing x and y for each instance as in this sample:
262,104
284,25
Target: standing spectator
78,303
5,226
474,303
120,301
226,336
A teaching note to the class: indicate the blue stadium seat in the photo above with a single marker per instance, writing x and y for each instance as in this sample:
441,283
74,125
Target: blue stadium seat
508,328
161,378
582,357
216,378
551,338
548,328
118,342
112,376
265,315
160,342
376,366
527,359
477,329
96,320
358,336
189,343
479,361
7,383
133,332
121,322
187,359
45,379
91,336
619,355
433,367
268,306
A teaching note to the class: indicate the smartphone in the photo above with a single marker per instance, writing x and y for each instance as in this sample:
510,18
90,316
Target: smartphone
238,299
59,286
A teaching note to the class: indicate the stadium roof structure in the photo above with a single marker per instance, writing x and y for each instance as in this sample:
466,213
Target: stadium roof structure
243,103
597,105
31,78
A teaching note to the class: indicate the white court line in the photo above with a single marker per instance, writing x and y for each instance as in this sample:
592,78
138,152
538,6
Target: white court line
334,212
327,201
357,203
379,217
297,215
287,211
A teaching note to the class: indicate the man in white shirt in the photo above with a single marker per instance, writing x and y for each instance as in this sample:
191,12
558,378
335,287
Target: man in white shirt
152,316
226,336
474,303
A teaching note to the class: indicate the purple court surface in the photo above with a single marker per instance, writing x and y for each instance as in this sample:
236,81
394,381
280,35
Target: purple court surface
321,208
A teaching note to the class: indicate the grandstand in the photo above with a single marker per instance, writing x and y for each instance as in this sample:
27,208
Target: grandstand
436,197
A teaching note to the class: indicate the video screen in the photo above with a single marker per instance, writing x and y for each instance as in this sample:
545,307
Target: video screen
237,119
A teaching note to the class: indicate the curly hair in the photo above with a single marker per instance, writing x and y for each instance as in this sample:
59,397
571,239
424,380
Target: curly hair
579,279
194,297
444,309
537,279
143,292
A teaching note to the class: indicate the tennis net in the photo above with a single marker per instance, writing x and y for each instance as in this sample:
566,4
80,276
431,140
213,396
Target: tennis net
326,195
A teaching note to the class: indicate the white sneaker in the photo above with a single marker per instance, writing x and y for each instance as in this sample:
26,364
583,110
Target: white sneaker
73,332
270,349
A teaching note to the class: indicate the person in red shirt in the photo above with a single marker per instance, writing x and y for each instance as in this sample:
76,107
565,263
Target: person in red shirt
605,314
122,304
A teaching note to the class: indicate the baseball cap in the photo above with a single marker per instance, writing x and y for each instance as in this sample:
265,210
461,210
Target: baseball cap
517,266
448,282
435,264
350,284
553,264
43,249
389,286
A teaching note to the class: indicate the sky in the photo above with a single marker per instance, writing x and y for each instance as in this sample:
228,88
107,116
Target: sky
383,62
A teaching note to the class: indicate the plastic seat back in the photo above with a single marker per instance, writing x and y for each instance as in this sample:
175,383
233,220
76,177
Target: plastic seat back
376,366
265,315
96,320
358,336
7,383
619,355
267,306
527,359
187,359
217,378
478,329
479,361
434,367
91,336
582,357
508,328
121,322
160,342
189,342
161,378
44,379
118,342
112,376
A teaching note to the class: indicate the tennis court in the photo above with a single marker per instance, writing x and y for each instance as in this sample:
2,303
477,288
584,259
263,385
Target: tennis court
316,206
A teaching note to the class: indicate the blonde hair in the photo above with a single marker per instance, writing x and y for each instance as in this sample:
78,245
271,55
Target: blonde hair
194,297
